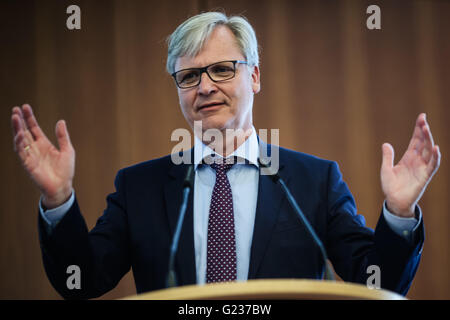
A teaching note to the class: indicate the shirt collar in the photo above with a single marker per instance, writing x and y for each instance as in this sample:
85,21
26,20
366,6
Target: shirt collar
249,150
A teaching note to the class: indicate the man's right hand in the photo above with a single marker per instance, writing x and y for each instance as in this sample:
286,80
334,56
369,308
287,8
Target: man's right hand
51,169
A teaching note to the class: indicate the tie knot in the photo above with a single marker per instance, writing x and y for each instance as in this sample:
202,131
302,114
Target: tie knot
223,166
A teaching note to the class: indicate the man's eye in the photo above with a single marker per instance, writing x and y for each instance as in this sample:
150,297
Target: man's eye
222,69
188,77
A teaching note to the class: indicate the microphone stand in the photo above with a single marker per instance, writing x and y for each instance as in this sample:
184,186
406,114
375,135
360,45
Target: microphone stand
188,183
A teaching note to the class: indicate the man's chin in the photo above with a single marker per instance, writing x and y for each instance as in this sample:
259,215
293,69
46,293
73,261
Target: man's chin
214,123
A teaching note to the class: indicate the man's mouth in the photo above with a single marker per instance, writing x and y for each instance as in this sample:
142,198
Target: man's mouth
210,106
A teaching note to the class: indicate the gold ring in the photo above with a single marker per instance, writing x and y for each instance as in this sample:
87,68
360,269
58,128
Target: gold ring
26,148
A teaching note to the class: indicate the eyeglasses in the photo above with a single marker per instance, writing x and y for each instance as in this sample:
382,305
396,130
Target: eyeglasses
217,72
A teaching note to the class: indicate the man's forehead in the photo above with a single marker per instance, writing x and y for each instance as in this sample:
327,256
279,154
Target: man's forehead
199,62
221,45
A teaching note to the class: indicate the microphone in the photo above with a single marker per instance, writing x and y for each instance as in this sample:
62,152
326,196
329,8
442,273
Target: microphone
188,184
276,178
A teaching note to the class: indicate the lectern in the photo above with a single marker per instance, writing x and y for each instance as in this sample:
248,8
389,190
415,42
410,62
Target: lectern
272,289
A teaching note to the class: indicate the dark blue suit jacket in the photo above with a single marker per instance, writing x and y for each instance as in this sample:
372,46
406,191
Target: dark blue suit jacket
137,227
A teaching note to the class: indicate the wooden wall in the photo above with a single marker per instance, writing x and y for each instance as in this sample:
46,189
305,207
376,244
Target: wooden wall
334,89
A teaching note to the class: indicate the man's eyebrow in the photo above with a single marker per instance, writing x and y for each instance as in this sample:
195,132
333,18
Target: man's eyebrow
205,65
187,68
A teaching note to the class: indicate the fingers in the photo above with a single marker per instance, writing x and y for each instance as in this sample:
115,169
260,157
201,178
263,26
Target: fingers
62,134
19,122
428,137
388,156
416,142
16,120
26,130
425,147
22,145
435,161
426,150
16,123
31,122
18,140
422,140
22,137
421,120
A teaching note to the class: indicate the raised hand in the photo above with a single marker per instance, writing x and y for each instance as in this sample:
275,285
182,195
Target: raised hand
404,183
51,169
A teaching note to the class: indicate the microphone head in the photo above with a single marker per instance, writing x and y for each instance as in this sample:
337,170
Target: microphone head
265,163
189,178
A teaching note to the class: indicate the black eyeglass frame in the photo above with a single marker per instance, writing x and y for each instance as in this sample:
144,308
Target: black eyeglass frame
205,70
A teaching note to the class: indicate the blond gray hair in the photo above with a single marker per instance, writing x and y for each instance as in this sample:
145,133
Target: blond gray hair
188,39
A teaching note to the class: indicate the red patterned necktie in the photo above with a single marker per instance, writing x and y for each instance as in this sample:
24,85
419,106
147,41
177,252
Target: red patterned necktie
221,249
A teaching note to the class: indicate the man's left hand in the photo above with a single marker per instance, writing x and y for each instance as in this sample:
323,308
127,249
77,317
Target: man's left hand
404,183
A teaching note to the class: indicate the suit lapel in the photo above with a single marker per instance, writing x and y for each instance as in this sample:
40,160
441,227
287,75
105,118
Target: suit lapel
185,259
270,197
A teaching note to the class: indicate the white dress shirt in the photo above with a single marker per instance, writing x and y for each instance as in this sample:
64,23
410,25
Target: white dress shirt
243,180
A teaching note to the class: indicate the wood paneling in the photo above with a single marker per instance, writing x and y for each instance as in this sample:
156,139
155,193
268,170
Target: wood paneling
334,89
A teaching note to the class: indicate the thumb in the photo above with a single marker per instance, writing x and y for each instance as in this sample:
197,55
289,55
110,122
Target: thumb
388,156
62,134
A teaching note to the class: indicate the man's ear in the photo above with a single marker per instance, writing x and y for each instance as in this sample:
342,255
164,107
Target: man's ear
256,84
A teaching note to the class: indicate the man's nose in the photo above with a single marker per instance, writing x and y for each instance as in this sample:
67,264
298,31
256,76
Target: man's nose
206,86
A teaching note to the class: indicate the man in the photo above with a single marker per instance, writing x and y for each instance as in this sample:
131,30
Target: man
238,223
